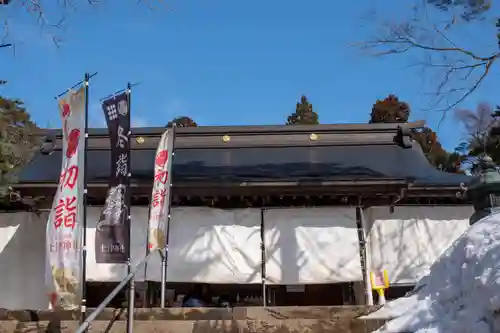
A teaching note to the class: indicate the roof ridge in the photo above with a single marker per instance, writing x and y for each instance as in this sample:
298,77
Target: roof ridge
257,129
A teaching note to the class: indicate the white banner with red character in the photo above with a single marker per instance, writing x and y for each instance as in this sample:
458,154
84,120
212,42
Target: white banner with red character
160,199
64,227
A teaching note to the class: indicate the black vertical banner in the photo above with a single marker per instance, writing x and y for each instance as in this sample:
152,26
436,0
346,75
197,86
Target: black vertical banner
112,237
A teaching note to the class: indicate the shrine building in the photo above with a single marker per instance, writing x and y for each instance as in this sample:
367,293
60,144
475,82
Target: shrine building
275,215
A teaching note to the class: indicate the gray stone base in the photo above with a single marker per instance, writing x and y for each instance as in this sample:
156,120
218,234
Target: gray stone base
203,320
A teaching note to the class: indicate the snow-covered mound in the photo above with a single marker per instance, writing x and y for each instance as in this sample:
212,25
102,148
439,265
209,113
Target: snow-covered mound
461,294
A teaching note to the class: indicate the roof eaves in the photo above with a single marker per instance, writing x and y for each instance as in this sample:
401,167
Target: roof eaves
248,130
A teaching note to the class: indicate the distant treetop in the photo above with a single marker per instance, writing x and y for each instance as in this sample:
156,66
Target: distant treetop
390,110
304,114
183,121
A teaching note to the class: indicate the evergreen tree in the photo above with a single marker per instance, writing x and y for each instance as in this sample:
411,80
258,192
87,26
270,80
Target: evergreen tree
435,153
17,140
304,114
392,110
182,122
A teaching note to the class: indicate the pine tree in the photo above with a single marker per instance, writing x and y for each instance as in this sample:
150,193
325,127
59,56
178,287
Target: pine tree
304,114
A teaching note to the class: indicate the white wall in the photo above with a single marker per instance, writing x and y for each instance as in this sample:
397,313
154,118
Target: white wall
408,241
138,240
22,256
212,246
206,245
22,261
305,245
311,245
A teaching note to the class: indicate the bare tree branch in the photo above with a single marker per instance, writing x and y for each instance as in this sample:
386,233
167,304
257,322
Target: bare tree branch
459,71
39,10
477,124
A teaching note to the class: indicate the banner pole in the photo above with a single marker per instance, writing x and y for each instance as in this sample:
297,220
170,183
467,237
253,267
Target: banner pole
163,253
131,295
263,257
83,305
164,257
365,255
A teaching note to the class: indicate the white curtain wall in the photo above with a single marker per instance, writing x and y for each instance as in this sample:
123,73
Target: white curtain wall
205,245
313,245
306,245
213,246
22,256
138,241
408,241
22,261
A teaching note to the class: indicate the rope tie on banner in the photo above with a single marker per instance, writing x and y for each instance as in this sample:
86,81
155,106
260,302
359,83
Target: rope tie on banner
85,82
127,90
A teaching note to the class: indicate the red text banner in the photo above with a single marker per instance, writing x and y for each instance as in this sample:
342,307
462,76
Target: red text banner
64,226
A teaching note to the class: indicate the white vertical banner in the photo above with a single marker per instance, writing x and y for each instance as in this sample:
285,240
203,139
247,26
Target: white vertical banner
64,226
160,198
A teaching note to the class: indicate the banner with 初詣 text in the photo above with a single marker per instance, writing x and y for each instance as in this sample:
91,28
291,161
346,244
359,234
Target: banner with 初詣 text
160,198
64,227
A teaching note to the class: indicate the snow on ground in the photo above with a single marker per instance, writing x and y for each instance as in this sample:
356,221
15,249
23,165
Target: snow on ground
461,294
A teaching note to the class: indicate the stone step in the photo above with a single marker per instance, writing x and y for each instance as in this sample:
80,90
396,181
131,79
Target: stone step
237,313
200,326
294,319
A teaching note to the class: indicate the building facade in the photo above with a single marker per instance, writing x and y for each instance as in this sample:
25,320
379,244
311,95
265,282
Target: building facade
281,215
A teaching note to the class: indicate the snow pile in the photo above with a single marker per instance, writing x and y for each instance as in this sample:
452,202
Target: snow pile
461,294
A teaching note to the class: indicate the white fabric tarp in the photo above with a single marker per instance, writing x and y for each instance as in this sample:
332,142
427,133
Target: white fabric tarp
212,246
408,241
22,261
138,240
22,256
311,245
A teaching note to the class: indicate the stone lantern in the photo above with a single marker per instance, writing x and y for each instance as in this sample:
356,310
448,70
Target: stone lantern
484,189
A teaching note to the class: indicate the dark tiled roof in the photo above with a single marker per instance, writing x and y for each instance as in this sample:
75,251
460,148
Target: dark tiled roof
277,129
260,164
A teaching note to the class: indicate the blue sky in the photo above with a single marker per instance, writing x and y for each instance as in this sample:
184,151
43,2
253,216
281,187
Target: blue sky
220,62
